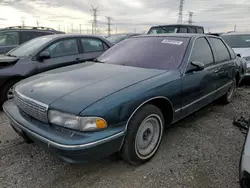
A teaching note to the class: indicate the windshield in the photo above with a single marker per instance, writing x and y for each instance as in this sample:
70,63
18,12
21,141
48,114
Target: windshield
29,47
116,38
163,29
237,41
147,52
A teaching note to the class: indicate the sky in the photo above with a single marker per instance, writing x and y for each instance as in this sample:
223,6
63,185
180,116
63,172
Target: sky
127,15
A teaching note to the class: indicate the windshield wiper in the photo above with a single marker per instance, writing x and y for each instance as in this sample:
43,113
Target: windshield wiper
10,55
96,60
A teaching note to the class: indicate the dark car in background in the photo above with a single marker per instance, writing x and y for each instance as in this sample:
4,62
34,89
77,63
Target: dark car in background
123,104
46,53
176,28
240,43
11,37
120,37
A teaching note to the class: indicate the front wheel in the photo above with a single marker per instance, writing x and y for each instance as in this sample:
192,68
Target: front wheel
144,135
228,97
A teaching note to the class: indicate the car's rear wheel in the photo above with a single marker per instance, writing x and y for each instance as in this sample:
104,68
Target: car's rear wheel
228,97
144,135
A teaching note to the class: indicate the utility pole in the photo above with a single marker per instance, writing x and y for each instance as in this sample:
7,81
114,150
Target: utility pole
23,24
190,18
59,27
234,27
94,24
37,23
71,28
80,27
116,30
109,24
180,12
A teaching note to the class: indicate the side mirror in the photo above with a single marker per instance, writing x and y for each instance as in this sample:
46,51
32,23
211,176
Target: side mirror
44,55
238,55
196,66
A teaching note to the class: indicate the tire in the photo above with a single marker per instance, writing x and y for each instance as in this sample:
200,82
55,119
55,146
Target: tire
228,97
5,89
144,135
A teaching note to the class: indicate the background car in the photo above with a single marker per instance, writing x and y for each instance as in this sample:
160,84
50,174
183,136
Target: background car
46,53
123,104
177,28
11,37
240,43
120,37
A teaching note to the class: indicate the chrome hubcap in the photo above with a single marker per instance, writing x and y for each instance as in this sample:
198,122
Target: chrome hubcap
148,136
10,93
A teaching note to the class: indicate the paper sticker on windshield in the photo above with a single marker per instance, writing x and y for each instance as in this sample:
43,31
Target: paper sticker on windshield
175,42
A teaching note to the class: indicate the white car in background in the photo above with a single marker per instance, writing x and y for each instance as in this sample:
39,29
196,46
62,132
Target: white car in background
240,43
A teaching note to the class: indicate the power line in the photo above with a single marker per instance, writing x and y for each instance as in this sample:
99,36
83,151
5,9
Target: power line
180,12
109,24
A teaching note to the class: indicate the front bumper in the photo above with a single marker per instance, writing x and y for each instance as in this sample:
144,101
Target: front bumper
71,146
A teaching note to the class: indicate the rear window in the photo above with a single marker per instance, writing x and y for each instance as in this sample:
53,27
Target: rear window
237,41
200,30
163,29
147,52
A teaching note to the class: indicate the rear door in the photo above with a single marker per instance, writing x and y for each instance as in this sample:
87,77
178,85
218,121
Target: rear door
63,52
224,65
198,88
91,48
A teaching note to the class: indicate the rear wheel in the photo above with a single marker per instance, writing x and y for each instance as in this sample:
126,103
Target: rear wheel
144,135
228,97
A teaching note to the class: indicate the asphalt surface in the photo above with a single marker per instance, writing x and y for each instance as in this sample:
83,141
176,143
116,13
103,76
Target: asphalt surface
203,150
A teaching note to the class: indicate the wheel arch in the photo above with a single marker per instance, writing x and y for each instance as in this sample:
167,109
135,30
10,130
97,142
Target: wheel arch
163,103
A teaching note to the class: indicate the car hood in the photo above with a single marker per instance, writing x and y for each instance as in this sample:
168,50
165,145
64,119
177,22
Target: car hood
244,52
74,88
7,59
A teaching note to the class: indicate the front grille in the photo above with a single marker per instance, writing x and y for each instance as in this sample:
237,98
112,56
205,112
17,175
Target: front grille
31,107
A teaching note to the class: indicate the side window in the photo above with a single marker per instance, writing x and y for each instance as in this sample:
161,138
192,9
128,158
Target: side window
183,30
63,48
105,46
9,38
91,45
200,30
232,53
39,34
28,35
191,30
202,52
221,49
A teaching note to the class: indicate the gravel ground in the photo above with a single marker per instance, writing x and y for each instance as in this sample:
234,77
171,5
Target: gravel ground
203,150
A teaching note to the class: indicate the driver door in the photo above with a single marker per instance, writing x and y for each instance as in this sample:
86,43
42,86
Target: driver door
62,53
199,87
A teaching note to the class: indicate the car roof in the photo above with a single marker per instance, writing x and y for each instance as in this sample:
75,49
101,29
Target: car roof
126,34
185,25
236,33
186,35
58,36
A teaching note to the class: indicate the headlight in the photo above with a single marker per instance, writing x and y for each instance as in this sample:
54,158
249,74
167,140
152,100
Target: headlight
76,122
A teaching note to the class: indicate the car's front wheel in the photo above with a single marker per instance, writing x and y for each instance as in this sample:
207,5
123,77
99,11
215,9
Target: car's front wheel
7,92
144,135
